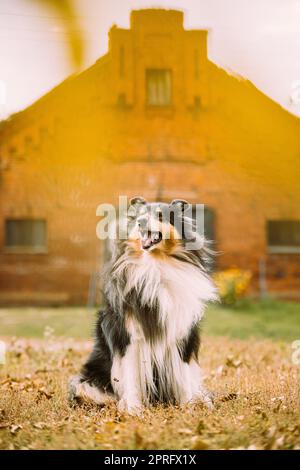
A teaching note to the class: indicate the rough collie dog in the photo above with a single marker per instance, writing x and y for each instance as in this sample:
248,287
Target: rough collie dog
147,336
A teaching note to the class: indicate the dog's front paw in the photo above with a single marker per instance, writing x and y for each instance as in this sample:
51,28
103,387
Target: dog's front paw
205,397
73,384
131,407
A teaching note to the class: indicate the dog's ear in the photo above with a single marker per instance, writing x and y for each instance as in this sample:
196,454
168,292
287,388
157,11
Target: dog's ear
135,205
137,200
179,204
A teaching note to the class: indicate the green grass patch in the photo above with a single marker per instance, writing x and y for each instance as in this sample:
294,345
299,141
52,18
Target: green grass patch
262,319
35,322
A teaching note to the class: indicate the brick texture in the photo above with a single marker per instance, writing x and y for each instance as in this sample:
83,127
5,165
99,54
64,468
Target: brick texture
222,143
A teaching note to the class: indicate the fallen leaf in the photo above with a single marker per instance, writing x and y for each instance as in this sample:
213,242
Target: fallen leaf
219,370
5,381
39,426
14,428
232,362
43,392
278,443
271,432
230,396
199,444
185,431
4,426
277,398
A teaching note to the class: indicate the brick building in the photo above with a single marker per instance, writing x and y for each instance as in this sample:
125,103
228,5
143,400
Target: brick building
152,117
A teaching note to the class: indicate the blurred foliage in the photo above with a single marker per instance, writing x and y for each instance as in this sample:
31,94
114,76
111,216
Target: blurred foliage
65,9
233,284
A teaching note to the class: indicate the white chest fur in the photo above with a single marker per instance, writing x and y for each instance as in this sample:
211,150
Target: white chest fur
180,289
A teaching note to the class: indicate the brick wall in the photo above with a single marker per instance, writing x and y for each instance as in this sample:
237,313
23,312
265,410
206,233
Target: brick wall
233,149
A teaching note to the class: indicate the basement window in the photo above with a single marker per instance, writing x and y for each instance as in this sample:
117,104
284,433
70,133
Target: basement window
158,87
26,235
283,236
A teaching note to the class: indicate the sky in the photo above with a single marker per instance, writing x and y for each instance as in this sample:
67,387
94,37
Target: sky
258,39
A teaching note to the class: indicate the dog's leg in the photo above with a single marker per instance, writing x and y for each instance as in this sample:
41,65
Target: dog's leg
82,390
185,392
125,379
177,375
199,392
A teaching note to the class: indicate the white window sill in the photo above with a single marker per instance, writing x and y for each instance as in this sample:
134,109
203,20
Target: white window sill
23,250
284,250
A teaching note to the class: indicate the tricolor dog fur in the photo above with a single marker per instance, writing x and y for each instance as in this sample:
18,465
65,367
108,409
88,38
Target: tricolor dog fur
155,292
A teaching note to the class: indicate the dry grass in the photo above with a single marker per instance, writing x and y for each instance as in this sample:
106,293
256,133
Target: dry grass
258,402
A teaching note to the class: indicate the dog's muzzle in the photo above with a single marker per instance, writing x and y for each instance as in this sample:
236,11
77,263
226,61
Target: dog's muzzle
149,238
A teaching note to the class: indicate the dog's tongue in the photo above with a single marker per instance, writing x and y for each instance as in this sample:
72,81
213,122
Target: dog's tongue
149,239
146,243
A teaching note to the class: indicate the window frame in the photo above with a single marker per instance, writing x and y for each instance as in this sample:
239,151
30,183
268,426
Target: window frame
280,248
166,105
25,249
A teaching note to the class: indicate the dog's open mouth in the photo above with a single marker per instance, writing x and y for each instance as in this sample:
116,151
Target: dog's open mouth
150,239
